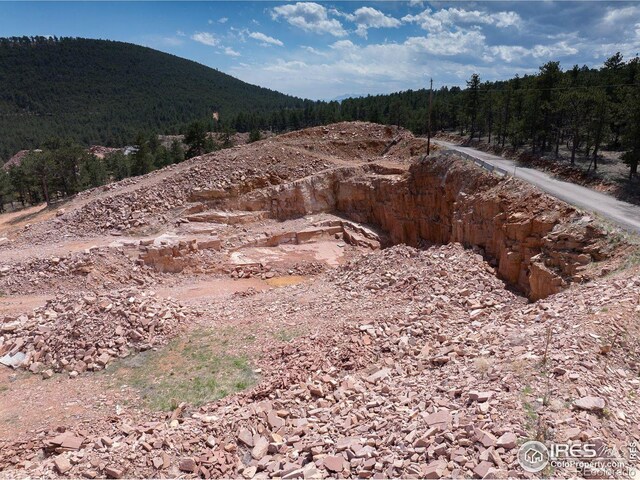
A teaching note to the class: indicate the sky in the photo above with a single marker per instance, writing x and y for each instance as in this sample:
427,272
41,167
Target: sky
325,50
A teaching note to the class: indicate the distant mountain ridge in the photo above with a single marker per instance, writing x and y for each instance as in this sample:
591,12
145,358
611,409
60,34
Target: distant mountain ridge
103,91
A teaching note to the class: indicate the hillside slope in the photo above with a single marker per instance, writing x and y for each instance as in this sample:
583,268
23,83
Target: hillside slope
99,91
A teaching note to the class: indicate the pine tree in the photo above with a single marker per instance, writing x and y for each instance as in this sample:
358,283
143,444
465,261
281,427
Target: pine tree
631,134
254,135
92,172
473,103
142,160
176,152
195,139
118,165
5,188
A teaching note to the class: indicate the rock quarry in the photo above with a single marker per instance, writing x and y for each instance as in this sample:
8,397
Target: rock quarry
328,303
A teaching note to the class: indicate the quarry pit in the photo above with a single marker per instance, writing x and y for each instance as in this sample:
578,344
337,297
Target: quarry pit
328,302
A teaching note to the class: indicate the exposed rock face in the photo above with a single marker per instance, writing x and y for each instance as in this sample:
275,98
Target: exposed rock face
538,244
174,258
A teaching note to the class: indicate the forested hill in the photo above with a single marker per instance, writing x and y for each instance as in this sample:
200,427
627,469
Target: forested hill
99,91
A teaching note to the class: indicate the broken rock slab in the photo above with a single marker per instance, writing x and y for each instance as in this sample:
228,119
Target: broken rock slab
13,361
589,403
228,218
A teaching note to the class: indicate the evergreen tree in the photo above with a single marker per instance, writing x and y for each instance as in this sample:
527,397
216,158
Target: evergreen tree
196,139
118,165
142,160
473,103
91,91
19,182
254,135
40,173
225,138
92,172
5,188
176,152
631,134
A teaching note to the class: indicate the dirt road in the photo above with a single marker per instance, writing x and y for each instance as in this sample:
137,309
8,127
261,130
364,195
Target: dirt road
624,214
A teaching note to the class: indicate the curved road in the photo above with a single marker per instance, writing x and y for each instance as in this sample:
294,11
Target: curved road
624,214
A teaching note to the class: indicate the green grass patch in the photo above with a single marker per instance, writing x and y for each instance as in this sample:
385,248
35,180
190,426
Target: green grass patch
288,334
196,369
633,259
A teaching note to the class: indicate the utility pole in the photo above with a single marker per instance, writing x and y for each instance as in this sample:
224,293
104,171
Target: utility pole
429,128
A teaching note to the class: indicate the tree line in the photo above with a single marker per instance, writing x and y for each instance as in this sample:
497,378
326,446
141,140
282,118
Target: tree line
587,109
105,92
63,168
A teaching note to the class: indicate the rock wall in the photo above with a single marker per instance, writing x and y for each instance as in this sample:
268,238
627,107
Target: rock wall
537,243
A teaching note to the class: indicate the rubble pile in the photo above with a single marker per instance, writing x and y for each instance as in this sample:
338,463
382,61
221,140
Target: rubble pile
360,141
103,267
400,271
419,364
87,331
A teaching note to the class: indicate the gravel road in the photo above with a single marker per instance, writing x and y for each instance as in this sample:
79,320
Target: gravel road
624,214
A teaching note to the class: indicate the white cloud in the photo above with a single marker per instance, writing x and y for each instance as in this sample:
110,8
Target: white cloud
313,50
210,22
457,40
223,20
347,67
454,16
180,33
367,17
416,3
231,52
342,45
602,51
424,19
205,38
430,21
507,19
511,53
309,16
559,49
616,16
508,53
265,39
447,43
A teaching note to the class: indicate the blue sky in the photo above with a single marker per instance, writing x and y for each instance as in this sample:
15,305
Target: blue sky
323,50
